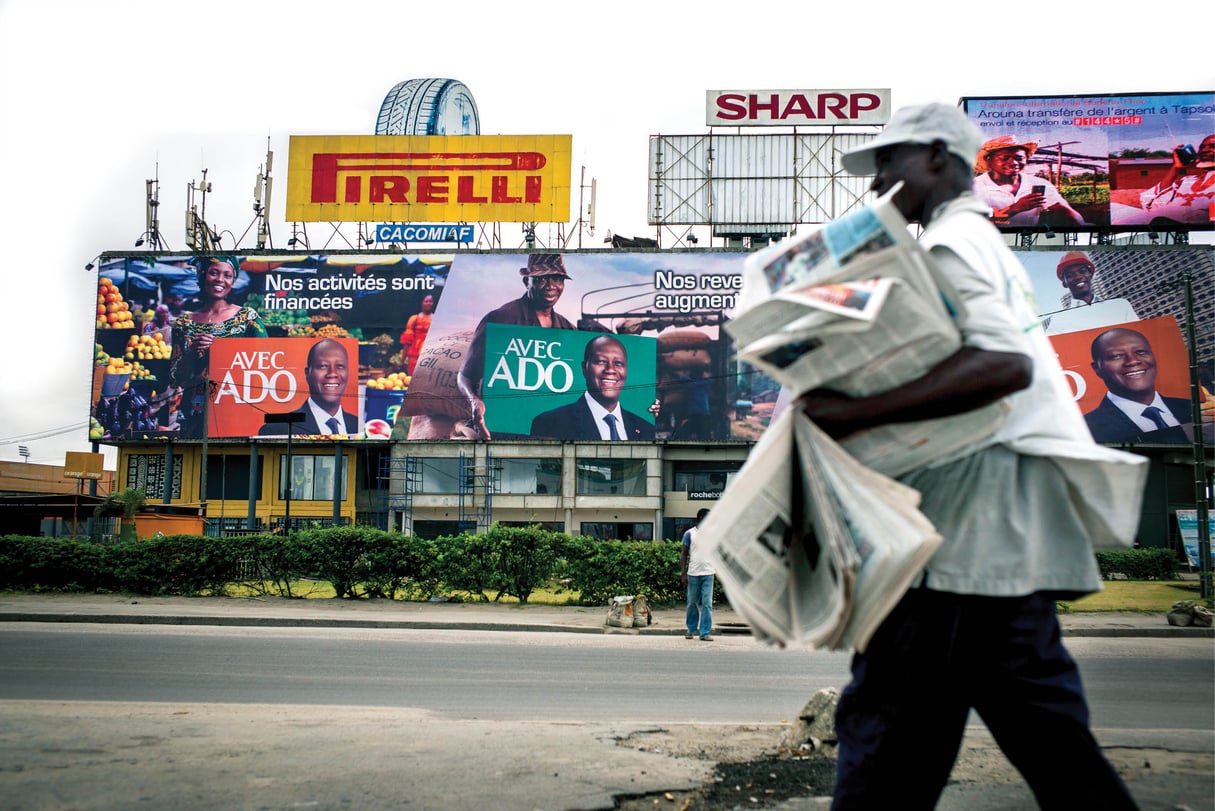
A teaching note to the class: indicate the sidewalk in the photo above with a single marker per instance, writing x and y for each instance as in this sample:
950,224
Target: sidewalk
333,613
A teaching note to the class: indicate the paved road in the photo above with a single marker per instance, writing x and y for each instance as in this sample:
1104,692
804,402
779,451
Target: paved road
142,716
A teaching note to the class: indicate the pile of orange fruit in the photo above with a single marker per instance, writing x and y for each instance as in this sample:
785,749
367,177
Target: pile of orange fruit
397,381
112,311
147,347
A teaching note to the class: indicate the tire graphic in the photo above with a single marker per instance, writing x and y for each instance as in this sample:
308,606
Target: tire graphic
428,107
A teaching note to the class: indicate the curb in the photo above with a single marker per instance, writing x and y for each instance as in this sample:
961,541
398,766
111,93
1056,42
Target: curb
726,629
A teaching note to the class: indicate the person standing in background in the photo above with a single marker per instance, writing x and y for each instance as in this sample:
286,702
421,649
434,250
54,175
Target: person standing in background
194,332
414,335
1084,310
697,574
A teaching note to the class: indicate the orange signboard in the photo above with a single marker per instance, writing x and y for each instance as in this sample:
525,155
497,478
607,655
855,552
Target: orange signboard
431,178
254,377
80,465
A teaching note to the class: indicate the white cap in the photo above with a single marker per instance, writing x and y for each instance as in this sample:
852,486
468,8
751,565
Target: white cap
920,124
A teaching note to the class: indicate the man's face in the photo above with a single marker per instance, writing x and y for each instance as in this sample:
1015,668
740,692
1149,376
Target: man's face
606,369
1206,150
1008,161
1078,278
327,376
908,163
1126,363
543,291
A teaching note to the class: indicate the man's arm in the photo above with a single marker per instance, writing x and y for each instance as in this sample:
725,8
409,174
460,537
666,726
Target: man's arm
968,379
468,379
683,563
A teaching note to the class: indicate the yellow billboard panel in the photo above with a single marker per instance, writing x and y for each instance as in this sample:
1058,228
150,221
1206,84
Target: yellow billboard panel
80,465
429,178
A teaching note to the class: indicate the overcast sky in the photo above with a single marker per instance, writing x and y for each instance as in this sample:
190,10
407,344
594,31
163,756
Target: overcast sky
97,96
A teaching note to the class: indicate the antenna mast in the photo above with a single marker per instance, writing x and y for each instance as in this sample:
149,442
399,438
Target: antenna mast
265,184
151,208
199,236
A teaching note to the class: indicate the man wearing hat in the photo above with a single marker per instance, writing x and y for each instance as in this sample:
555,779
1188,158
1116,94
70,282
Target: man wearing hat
977,630
1082,308
544,282
1016,200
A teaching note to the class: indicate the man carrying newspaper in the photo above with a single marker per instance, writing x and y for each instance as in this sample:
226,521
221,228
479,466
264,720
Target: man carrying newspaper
977,629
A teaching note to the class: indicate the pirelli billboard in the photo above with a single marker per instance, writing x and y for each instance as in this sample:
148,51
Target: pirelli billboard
407,178
502,346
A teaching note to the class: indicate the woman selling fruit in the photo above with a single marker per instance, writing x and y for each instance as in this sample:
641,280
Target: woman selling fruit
193,332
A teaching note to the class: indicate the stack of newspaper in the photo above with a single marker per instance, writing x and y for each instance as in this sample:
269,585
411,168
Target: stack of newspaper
812,547
813,541
854,307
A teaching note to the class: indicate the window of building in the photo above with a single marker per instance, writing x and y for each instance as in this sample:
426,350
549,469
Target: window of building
528,475
311,478
618,530
703,480
439,475
430,530
228,478
608,477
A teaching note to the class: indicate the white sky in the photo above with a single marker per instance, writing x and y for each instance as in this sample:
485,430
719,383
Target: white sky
96,96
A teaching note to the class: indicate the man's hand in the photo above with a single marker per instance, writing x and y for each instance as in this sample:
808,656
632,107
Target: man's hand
478,416
1206,406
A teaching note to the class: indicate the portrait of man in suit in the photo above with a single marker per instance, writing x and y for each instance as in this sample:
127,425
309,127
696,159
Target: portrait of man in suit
597,414
1132,410
327,372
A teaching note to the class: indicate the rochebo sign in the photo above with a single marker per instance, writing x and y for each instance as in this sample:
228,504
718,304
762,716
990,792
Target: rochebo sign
794,108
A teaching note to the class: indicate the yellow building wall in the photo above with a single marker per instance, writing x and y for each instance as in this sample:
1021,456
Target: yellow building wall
269,459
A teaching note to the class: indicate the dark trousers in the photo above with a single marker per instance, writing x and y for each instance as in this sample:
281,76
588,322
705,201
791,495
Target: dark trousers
901,720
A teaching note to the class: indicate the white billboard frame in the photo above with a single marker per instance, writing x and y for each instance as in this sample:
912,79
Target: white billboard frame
764,183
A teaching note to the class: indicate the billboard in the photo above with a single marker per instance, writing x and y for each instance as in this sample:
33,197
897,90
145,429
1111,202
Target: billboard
1082,295
403,178
1130,162
512,346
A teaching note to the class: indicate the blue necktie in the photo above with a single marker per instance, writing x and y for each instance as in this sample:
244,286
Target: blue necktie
1153,414
334,425
611,421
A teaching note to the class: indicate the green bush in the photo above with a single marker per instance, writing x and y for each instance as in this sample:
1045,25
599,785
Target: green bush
524,558
184,565
357,561
267,564
53,564
348,558
1138,564
600,570
465,563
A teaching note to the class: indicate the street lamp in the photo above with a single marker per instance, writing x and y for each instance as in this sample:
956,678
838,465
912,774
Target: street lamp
290,418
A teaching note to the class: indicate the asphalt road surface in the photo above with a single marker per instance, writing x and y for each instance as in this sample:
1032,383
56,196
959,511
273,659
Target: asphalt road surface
156,717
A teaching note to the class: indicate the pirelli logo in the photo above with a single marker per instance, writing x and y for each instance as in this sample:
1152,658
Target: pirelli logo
423,179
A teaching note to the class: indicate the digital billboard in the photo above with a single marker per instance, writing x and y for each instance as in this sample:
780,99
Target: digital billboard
1131,162
416,178
541,346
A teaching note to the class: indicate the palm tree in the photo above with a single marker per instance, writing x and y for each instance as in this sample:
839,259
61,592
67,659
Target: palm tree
130,501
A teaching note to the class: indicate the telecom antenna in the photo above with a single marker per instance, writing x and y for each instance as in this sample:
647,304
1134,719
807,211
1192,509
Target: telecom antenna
261,206
199,236
151,208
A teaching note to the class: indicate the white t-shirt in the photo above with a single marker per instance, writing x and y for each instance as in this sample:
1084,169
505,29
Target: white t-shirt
1102,313
698,565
